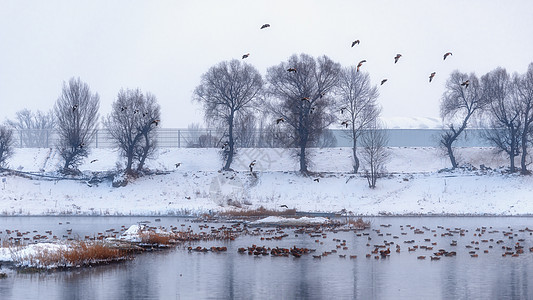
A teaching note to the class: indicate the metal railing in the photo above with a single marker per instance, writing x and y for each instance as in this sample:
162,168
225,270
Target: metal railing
211,138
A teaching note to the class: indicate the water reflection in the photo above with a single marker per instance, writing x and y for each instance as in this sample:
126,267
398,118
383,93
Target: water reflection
178,274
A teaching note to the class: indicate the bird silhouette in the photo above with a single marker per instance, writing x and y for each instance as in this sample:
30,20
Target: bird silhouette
431,76
291,70
306,99
251,166
397,57
343,109
156,122
446,55
360,64
94,160
245,55
355,42
383,81
280,120
123,108
74,107
345,123
265,26
283,205
177,165
465,83
316,179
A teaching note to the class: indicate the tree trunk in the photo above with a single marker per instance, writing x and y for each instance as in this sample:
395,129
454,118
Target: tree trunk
303,163
355,158
229,159
451,155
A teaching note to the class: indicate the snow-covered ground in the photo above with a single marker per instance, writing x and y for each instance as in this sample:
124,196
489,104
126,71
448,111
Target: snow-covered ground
197,186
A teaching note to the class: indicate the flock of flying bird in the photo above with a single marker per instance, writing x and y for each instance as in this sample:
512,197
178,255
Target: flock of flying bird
359,65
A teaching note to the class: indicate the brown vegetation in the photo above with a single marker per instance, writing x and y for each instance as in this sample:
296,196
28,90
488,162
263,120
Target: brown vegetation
258,212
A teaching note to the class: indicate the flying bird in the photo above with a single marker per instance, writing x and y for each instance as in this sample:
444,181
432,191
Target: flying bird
360,64
265,26
306,99
316,179
280,120
156,122
283,205
345,123
177,165
245,55
343,109
291,70
397,57
355,42
94,160
383,81
446,55
431,76
465,84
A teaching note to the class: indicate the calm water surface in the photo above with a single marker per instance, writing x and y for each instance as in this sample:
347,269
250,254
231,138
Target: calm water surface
179,274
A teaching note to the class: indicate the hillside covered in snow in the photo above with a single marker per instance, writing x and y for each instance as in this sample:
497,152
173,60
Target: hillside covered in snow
413,186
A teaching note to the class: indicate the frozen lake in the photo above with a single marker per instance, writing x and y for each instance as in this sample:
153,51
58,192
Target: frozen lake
180,274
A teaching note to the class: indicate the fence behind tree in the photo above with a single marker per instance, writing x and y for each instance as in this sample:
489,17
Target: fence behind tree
211,138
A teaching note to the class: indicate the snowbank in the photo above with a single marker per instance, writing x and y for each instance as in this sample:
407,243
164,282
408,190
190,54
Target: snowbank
415,187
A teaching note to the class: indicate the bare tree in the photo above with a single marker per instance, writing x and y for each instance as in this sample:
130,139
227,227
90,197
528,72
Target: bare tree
523,87
503,118
6,144
299,95
132,123
374,154
76,112
357,104
226,91
34,128
460,101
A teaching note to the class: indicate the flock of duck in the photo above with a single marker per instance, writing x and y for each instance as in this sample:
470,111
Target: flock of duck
377,243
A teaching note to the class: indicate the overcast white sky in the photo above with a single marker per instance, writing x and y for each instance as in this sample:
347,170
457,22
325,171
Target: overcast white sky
165,46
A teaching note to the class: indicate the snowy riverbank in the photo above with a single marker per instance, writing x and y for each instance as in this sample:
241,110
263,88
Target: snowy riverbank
414,187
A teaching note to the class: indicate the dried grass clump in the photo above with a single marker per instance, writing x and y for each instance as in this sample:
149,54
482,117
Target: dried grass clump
75,254
154,238
259,212
359,223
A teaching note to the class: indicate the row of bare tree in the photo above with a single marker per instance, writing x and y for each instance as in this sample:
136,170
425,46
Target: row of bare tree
131,124
301,97
499,102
